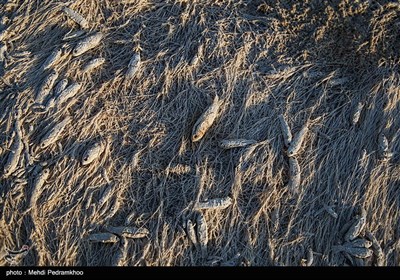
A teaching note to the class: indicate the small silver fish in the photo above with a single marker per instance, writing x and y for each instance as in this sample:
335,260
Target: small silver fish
206,120
287,134
297,141
105,237
202,232
295,175
129,231
133,66
53,134
216,203
75,16
37,186
46,86
91,153
60,86
52,59
191,232
16,150
357,113
67,93
236,143
92,64
357,226
87,44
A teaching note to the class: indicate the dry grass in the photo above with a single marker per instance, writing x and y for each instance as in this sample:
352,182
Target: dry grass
312,61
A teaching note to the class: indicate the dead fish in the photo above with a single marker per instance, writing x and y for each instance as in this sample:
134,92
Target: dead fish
106,195
310,257
295,175
206,120
357,252
179,169
92,153
40,180
357,113
357,226
92,64
67,93
377,249
16,150
60,86
52,59
14,257
133,66
359,242
202,232
87,44
104,237
384,147
297,141
191,232
3,34
216,203
3,51
46,86
196,57
129,232
236,143
53,134
339,81
78,18
23,251
287,134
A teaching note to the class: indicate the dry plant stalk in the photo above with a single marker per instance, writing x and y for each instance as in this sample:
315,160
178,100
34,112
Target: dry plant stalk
206,120
287,134
121,253
214,204
235,143
73,35
54,134
87,44
104,237
297,141
92,153
129,232
76,17
377,249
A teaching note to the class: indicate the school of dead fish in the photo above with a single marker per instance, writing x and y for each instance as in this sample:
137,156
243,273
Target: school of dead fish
52,94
